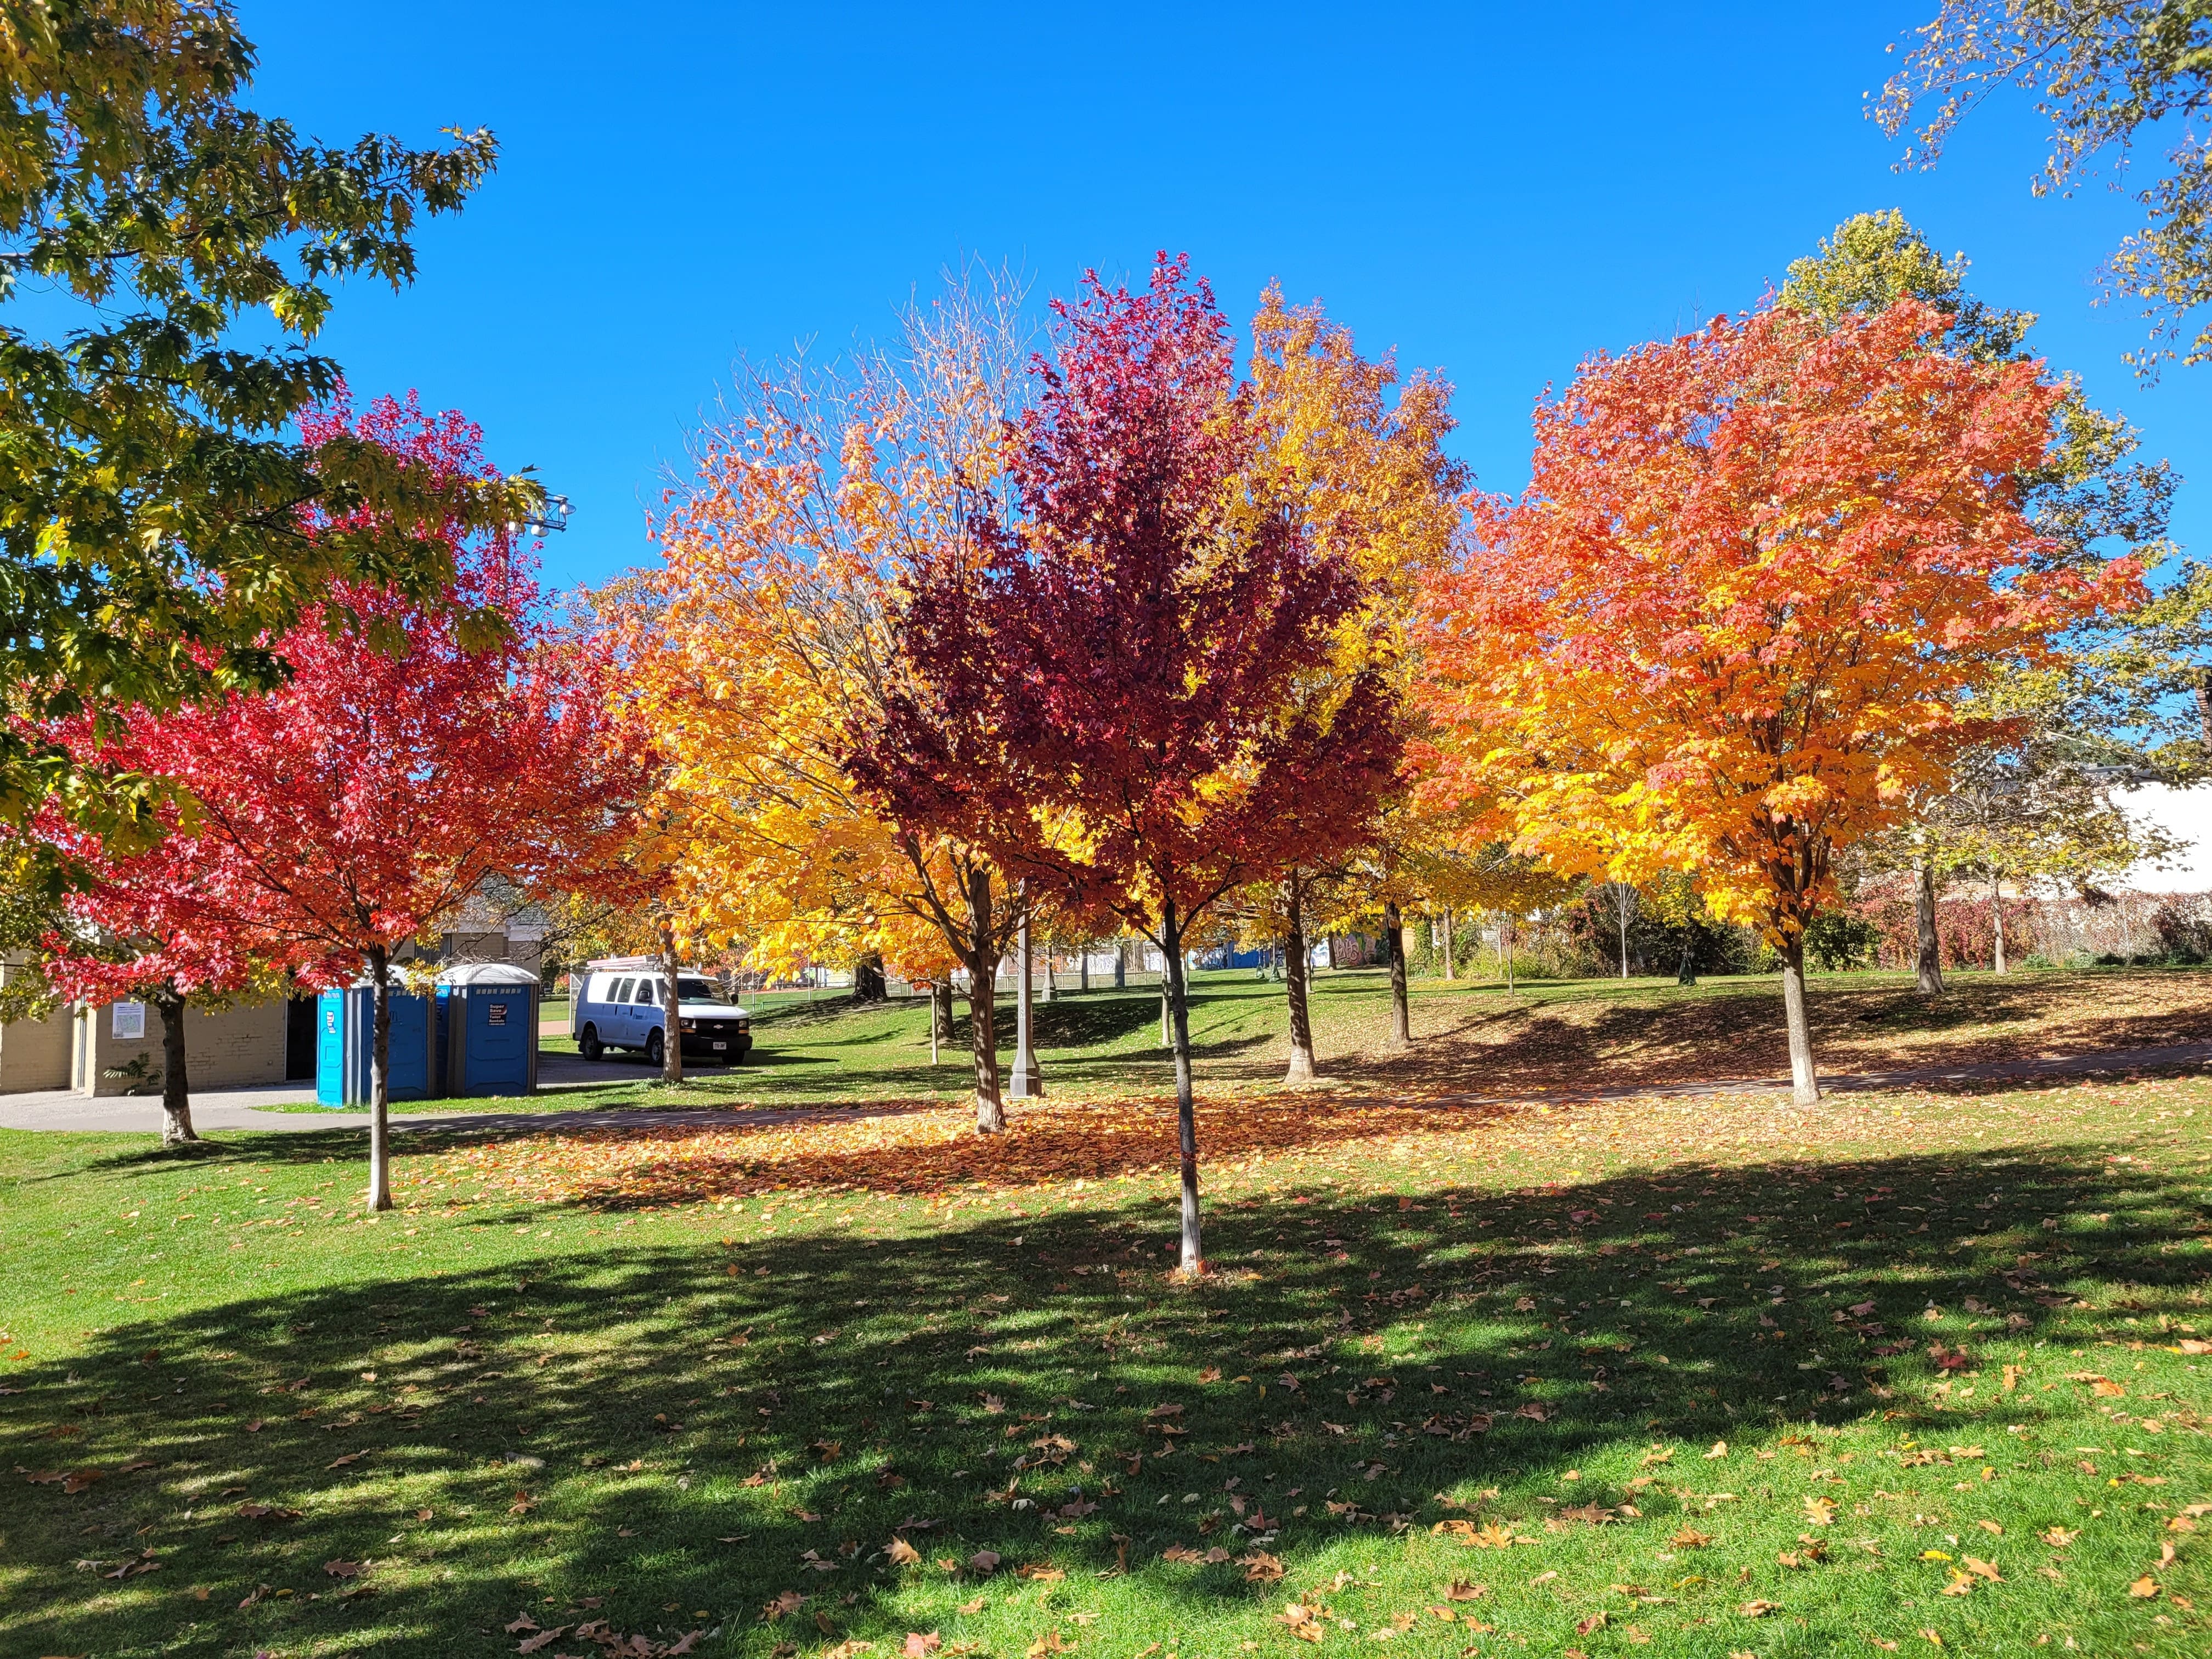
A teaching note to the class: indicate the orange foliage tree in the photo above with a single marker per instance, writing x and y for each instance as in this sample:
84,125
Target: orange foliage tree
1729,627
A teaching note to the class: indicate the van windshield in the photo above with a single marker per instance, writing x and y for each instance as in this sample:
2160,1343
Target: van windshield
697,990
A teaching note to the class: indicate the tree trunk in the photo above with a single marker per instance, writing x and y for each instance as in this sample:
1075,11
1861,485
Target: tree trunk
1451,962
1120,964
1505,949
1996,918
1082,967
982,1013
380,1082
1027,1082
934,1023
176,1086
1393,940
1930,965
1044,980
1194,1258
1295,960
1621,910
868,985
1687,972
672,1009
1167,1034
1804,1080
2204,702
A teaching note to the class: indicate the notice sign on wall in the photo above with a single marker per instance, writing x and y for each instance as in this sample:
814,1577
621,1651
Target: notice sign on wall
495,1014
130,1020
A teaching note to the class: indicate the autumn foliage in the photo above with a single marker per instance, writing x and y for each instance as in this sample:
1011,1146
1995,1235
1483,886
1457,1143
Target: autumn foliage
1732,624
404,763
1106,701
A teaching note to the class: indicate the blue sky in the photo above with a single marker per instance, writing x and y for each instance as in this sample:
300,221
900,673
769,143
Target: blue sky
1494,191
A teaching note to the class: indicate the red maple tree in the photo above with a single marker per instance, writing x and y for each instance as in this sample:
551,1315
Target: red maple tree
1109,701
404,764
139,927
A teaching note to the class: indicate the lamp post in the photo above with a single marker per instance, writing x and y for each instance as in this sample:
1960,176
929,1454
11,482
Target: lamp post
1027,1082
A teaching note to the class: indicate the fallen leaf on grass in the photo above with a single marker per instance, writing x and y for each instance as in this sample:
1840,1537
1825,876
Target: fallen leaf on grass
974,1607
901,1553
1596,1621
984,1561
341,1461
1719,1449
1758,1609
1050,1642
2059,1537
1260,1567
920,1645
1303,1622
543,1638
1982,1569
1820,1512
346,1568
1689,1538
1039,1575
2144,1588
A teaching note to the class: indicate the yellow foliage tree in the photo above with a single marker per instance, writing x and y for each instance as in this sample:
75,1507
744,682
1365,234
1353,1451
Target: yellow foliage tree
1368,476
767,639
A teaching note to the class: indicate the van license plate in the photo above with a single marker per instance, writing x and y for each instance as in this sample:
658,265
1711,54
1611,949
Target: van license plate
721,1045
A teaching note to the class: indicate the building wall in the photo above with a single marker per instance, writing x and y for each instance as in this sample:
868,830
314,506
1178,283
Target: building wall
34,1053
224,1048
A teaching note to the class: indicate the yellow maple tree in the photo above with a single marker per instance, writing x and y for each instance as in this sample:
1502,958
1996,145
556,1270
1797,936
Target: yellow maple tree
767,639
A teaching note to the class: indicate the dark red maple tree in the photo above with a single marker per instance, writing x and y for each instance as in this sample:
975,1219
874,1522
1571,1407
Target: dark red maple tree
1110,702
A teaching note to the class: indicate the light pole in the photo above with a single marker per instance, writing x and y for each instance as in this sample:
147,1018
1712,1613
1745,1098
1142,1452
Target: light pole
1027,1082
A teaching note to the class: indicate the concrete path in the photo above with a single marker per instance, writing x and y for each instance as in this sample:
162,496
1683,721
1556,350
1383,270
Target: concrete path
238,1109
215,1110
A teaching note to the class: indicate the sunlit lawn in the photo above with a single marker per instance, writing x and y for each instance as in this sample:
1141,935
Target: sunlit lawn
1704,1377
1472,1037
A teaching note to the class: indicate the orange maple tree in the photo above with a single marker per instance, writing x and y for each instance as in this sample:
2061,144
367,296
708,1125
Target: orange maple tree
1736,621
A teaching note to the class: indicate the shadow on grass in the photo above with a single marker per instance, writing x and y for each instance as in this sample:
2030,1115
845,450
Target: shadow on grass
672,1430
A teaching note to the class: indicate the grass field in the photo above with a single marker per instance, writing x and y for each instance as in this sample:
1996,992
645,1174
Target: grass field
1709,1377
1472,1036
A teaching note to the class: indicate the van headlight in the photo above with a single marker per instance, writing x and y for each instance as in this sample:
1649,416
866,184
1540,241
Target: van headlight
687,1024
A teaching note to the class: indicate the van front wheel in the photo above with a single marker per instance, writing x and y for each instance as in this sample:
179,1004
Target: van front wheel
589,1045
656,1050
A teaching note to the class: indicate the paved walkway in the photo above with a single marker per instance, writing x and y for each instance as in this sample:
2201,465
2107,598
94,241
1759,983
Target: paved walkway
240,1109
216,1109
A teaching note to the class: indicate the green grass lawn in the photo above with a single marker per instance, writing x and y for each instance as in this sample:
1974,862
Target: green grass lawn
1706,1377
1472,1036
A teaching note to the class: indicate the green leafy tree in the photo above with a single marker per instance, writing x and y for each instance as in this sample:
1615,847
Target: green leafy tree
2103,73
151,485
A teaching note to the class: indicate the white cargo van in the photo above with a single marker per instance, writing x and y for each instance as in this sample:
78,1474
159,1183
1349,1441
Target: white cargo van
615,1003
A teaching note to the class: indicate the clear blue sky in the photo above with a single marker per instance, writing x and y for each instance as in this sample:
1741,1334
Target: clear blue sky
1494,191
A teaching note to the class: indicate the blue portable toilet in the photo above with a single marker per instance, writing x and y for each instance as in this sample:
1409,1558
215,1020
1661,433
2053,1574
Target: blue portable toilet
345,1041
487,1029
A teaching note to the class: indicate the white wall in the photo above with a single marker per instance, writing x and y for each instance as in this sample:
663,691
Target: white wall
2184,814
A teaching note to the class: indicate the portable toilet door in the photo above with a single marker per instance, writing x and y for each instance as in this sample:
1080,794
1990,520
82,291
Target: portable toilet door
330,1049
407,1057
487,1027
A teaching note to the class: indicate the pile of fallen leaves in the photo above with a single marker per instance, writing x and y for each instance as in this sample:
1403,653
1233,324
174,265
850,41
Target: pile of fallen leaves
916,1153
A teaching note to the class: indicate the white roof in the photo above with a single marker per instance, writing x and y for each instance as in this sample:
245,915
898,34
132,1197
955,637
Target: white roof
486,973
